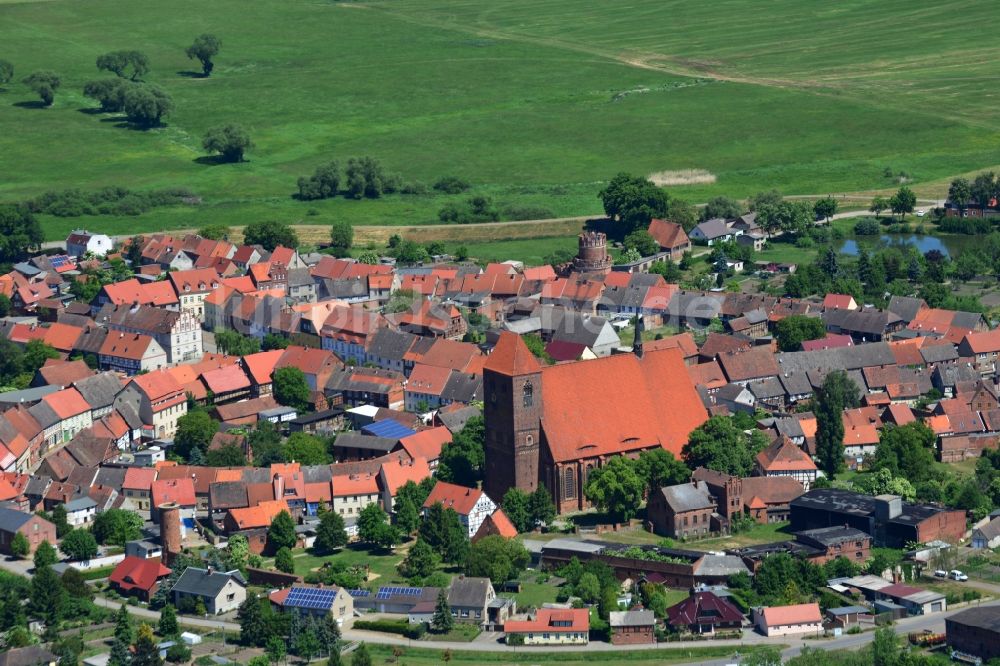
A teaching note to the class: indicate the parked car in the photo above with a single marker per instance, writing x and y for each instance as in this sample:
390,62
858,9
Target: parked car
955,574
921,212
940,573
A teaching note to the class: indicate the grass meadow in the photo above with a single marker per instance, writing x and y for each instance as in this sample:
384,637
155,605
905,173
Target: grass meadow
536,102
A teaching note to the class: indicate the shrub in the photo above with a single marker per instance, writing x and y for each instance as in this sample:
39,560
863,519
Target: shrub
867,227
401,627
513,212
451,185
179,654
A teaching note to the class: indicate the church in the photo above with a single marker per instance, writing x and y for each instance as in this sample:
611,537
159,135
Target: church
550,425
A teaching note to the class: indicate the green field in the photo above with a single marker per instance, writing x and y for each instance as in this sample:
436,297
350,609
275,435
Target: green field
536,102
528,656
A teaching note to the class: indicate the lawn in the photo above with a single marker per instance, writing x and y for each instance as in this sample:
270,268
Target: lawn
382,565
528,656
768,533
535,594
535,103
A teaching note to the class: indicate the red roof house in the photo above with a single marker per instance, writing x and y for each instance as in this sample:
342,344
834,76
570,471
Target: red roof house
139,576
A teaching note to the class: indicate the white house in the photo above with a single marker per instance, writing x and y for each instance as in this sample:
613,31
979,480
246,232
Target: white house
471,504
789,620
987,536
80,511
82,241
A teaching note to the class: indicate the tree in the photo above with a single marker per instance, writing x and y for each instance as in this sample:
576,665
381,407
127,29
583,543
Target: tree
167,625
283,560
45,83
836,393
124,628
794,217
146,652
721,207
215,232
253,625
442,621
616,488
45,554
361,656
983,190
462,460
885,647
420,562
374,527
960,194
235,344
642,242
6,72
281,533
633,201
79,544
330,535
903,201
718,444
497,558
119,62
792,331
878,205
19,546
269,235
305,449
825,208
291,388
541,508
882,482
47,597
120,654
117,526
109,93
60,520
146,105
588,589
274,341
204,48
341,234
275,649
828,262
230,141
515,505
443,531
194,431
20,232
371,258
906,451
660,468
323,184
228,455
367,178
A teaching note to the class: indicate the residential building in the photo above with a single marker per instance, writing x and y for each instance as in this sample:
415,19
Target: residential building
783,458
159,401
177,333
138,576
552,626
320,601
35,528
681,511
471,504
671,238
131,353
221,592
192,286
469,599
705,613
81,241
986,536
633,627
789,620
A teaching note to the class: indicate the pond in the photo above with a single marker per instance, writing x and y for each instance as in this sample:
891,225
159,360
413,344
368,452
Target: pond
947,245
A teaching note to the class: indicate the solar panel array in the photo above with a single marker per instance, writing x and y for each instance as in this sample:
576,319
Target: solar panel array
59,261
386,592
310,598
388,428
359,594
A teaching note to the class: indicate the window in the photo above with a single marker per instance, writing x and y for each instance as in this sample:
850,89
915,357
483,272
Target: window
569,483
528,393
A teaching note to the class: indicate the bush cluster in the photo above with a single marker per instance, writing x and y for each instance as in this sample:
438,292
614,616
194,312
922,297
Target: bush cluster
106,201
401,627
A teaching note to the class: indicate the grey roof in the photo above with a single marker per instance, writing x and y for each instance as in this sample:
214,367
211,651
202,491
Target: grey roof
720,565
45,415
356,440
869,322
840,358
984,617
99,390
389,344
796,383
110,476
91,339
204,582
130,413
990,530
578,545
300,277
632,618
27,395
11,520
457,419
469,592
688,496
966,319
714,228
31,655
950,374
849,610
461,387
906,307
938,353
37,485
145,318
769,388
80,504
224,495
829,536
317,473
731,392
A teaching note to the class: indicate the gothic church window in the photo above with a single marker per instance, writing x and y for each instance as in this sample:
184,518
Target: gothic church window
529,394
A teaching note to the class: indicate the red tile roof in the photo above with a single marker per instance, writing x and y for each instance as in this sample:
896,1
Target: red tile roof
258,516
260,366
983,343
180,491
667,234
137,573
784,456
67,403
131,346
511,356
654,403
831,341
355,484
498,524
396,473
839,301
158,384
550,619
226,380
426,444
779,616
452,496
195,280
139,478
428,379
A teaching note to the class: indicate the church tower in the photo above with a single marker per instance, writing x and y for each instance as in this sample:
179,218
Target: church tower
512,391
